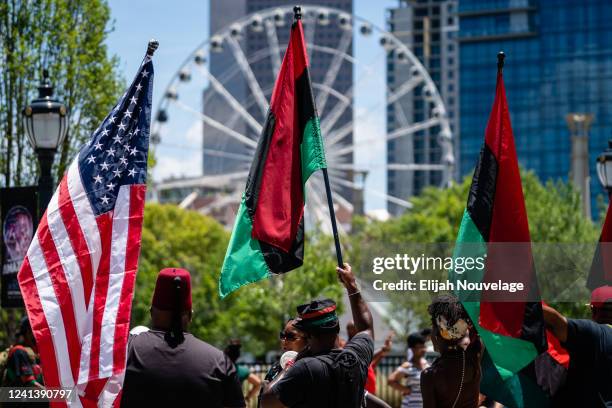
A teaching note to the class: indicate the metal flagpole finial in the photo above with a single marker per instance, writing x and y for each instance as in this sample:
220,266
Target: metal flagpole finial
500,61
153,44
297,13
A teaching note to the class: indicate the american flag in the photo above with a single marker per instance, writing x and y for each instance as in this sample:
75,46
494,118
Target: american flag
77,279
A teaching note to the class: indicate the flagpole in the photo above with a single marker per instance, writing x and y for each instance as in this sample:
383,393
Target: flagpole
297,15
500,61
332,215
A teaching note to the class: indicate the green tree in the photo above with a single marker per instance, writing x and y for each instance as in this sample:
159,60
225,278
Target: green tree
175,237
555,216
67,37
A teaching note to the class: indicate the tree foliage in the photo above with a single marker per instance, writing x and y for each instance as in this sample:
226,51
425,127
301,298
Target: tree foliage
555,216
173,237
67,37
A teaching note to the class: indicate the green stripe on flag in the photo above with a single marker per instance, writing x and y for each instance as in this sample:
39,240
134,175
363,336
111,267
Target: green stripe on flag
244,262
313,153
509,354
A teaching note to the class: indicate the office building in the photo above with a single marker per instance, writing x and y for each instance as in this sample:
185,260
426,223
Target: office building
428,28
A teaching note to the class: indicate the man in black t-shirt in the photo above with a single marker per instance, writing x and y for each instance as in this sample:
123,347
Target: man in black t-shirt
589,343
322,375
167,366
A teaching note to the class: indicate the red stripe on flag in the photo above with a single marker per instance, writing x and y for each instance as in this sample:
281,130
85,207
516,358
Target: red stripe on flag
105,226
318,312
77,238
122,325
40,327
91,395
606,256
63,294
280,202
509,225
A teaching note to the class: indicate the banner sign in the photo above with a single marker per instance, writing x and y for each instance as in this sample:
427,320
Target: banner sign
18,219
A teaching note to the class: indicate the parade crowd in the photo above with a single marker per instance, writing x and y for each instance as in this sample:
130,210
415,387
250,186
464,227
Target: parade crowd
168,366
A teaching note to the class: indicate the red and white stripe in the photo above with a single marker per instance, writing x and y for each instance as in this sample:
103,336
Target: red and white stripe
77,282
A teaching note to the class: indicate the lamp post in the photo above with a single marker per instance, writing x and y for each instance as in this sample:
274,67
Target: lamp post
45,123
604,168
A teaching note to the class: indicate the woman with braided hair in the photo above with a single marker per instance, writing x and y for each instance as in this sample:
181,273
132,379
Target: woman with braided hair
453,380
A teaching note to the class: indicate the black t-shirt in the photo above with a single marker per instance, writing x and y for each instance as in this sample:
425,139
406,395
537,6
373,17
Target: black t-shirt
310,382
589,377
193,373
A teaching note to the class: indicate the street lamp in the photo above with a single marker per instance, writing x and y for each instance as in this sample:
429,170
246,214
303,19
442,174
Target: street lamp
604,168
45,123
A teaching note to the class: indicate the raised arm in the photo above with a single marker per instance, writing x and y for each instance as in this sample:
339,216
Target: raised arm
361,313
555,322
382,352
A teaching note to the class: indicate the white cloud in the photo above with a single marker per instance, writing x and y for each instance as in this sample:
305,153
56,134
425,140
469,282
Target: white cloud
186,165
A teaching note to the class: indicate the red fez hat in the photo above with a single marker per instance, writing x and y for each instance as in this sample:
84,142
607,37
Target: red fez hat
173,290
601,295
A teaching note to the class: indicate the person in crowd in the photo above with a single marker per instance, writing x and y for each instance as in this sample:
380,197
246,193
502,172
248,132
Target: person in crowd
370,385
291,339
244,374
22,368
323,376
407,377
589,344
453,380
167,365
426,333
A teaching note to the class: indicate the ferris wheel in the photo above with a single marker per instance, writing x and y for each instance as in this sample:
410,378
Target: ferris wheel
217,102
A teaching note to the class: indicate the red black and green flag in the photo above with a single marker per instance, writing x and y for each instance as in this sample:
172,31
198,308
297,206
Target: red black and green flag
268,235
601,268
495,226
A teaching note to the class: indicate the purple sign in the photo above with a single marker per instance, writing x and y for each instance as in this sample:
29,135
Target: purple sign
18,209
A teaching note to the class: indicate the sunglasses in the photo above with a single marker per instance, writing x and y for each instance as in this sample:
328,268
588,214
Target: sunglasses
287,336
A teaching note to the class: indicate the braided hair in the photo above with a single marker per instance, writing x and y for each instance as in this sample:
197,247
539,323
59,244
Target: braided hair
449,307
177,315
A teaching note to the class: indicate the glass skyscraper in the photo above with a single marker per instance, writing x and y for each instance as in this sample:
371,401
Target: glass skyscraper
558,61
428,28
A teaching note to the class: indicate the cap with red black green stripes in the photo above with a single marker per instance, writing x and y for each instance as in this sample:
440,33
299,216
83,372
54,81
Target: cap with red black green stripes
318,315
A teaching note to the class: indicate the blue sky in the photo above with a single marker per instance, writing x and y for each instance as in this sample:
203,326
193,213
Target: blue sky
180,26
